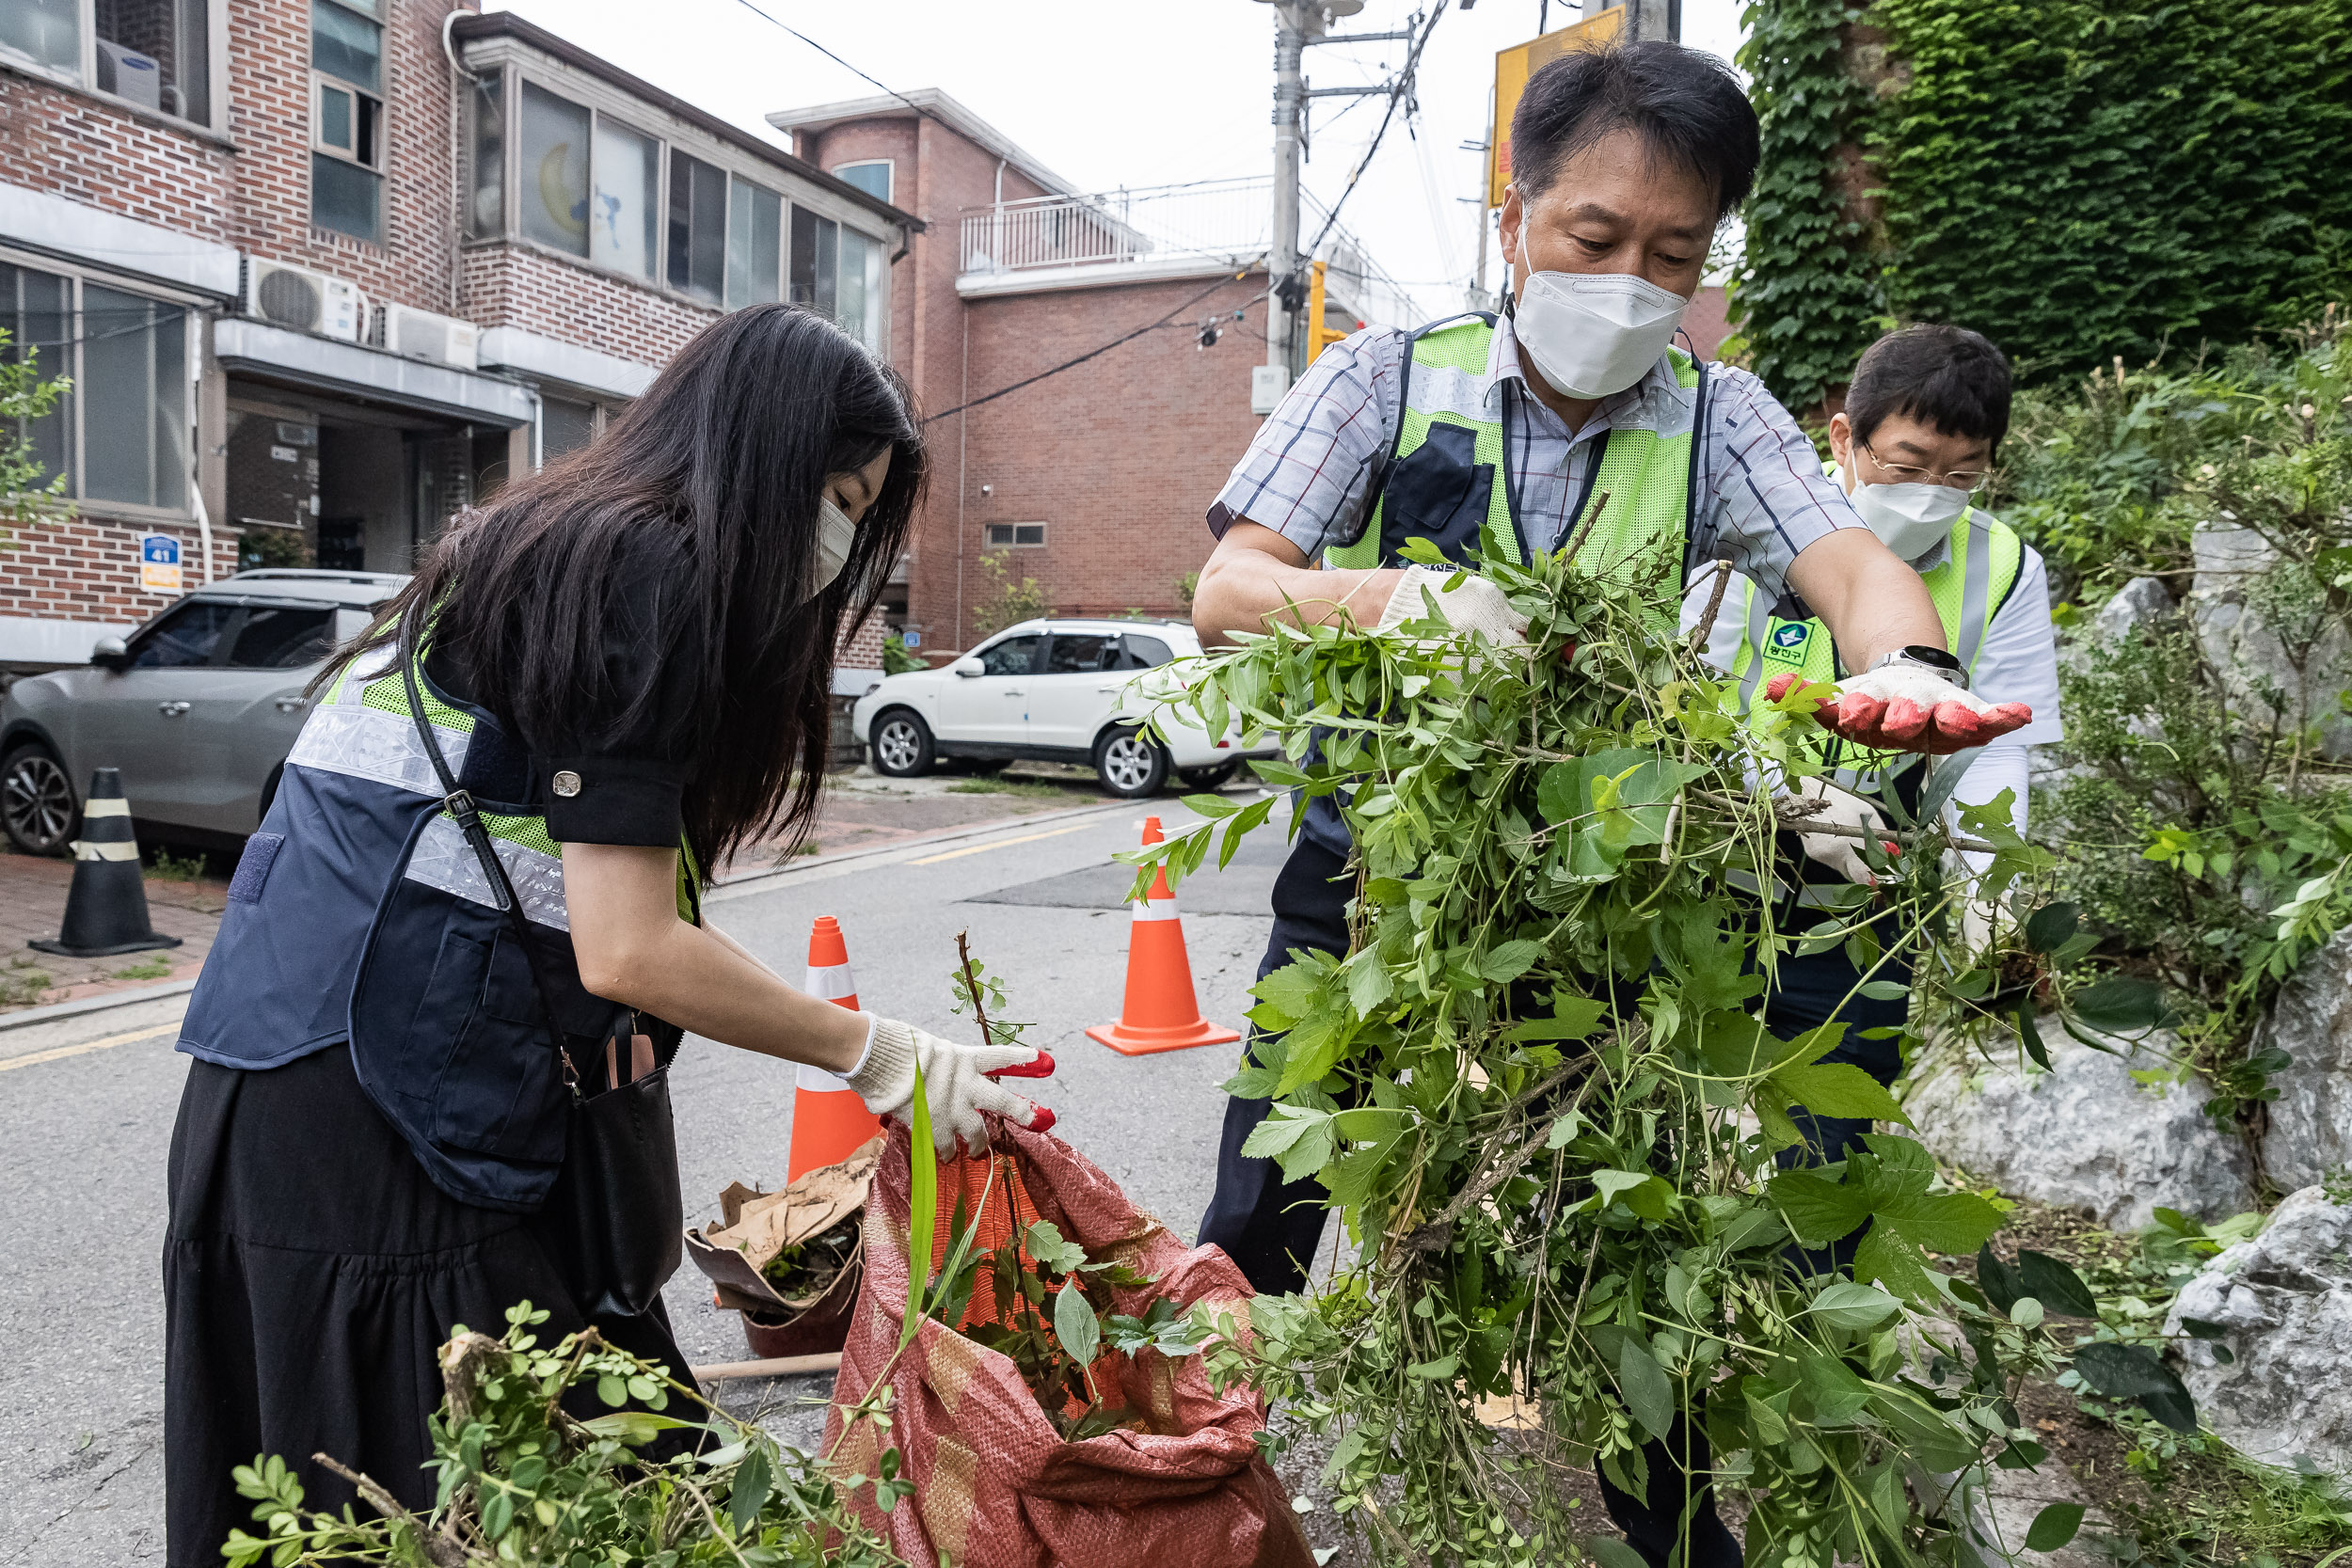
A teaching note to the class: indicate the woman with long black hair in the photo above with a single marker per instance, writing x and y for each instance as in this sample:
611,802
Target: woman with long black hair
430,1041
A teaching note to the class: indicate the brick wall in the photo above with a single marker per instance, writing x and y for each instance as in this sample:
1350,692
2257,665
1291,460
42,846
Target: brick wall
1120,457
91,152
860,647
88,568
513,285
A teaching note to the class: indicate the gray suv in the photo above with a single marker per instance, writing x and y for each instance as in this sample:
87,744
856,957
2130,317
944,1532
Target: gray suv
197,708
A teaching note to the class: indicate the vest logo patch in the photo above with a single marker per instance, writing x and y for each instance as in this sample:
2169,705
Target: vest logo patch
1786,644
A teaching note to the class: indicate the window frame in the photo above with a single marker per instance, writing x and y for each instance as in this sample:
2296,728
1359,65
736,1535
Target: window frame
77,437
365,102
841,172
513,68
83,78
1013,540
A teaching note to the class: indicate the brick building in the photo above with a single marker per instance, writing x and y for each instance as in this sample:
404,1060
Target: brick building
322,271
1093,480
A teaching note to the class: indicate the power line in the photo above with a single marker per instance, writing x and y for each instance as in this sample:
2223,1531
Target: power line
836,59
1096,352
1401,88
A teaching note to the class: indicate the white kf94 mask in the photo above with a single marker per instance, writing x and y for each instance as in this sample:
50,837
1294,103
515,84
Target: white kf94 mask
1594,334
836,535
1910,519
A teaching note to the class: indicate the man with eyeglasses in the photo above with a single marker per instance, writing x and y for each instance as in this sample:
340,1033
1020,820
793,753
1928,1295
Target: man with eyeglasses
1924,415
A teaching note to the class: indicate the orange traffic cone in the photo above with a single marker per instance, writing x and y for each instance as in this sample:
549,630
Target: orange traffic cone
828,1121
1162,1012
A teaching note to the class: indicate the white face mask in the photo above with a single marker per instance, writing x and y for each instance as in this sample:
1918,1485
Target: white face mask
836,535
1910,519
1594,334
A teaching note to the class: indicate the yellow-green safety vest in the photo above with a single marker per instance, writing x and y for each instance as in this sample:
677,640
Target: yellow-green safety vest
1450,455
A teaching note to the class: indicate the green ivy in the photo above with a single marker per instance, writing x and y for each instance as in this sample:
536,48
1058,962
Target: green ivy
2075,178
2079,179
1807,298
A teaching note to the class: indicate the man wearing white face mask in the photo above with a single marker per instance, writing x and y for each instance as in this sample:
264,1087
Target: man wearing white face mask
1625,164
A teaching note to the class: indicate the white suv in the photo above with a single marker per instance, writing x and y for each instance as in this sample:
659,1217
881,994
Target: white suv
1053,691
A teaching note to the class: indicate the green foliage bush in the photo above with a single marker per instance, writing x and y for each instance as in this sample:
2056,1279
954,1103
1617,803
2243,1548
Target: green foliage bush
1538,1090
2074,178
2205,822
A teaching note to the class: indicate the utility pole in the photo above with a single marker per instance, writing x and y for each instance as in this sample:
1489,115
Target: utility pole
1292,20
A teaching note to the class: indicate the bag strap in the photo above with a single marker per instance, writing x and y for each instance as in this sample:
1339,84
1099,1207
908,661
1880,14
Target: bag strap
460,806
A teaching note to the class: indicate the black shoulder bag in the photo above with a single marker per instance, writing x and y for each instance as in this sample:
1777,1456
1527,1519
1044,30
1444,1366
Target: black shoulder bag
615,1219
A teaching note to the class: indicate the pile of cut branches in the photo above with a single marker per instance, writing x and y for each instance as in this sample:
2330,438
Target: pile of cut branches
1539,1092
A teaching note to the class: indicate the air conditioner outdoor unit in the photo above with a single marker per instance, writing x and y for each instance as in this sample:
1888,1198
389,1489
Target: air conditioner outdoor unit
128,73
306,301
423,335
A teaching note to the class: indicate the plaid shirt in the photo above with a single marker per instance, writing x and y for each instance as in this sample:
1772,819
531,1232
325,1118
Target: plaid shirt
1315,467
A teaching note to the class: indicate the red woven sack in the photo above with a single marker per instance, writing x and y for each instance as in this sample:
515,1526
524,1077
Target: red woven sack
995,1487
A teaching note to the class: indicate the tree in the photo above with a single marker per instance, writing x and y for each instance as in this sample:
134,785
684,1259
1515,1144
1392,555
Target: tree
25,397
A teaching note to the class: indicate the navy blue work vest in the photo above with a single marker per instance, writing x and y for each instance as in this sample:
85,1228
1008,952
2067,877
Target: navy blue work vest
359,912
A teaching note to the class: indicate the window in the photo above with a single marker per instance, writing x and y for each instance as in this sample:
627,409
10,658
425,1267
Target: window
347,117
1145,653
554,185
622,216
698,229
120,434
1015,535
1081,653
816,260
873,177
282,637
858,307
485,204
186,636
755,236
156,53
1014,656
565,426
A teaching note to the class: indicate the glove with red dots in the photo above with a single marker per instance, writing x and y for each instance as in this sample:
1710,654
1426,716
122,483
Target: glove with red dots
959,1082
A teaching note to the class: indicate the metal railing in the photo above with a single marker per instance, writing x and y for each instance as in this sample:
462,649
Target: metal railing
1227,221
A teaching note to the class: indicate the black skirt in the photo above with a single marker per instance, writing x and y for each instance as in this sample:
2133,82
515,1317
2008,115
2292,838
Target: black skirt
310,1275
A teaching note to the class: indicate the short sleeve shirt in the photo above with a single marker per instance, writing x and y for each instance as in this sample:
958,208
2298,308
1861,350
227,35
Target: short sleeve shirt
1313,472
623,779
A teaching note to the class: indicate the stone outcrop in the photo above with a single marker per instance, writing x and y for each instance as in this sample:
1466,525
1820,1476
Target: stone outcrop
2084,1136
2311,1121
2284,1302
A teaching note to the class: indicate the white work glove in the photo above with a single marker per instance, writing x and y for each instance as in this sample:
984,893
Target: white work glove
959,1082
1470,603
1846,809
1909,707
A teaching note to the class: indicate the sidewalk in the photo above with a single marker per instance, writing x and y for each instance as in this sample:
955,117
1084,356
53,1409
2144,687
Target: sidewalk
860,810
32,906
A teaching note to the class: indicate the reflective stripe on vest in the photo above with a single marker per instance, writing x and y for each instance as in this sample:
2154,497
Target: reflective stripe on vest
361,728
1645,467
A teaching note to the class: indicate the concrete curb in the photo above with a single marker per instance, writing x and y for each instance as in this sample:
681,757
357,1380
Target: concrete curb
95,1003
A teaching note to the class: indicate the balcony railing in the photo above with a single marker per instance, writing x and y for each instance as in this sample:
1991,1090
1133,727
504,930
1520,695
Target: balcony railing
1230,222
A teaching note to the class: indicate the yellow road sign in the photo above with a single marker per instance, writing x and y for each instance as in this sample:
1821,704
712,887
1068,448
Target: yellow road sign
1515,65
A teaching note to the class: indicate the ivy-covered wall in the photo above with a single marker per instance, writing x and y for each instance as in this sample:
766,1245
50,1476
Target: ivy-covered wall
2076,179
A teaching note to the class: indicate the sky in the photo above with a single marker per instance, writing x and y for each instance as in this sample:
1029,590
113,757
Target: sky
1110,94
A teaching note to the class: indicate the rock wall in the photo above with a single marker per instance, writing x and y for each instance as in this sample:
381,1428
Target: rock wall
2311,1121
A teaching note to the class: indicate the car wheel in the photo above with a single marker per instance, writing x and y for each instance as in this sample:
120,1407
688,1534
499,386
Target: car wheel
902,745
1210,777
1129,764
36,803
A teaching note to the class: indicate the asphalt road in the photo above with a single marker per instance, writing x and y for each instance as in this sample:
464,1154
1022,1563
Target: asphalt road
86,1108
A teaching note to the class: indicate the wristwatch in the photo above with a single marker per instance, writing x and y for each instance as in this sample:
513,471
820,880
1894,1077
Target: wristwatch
1926,657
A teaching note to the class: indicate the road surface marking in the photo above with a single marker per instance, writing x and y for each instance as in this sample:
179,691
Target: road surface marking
34,1058
1000,843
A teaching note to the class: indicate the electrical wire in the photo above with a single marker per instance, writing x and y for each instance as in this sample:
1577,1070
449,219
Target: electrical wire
836,59
1167,320
1402,87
